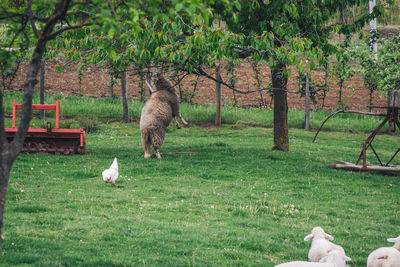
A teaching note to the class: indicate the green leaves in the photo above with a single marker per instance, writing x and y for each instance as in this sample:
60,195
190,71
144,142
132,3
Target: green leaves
388,64
180,32
237,5
155,31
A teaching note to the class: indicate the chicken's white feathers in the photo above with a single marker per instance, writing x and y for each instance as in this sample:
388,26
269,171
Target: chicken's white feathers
111,174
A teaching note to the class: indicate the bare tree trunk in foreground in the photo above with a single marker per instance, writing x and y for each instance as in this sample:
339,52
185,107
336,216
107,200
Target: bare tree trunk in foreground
10,151
42,79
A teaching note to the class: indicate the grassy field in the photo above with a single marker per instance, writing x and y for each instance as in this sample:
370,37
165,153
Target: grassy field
230,200
90,113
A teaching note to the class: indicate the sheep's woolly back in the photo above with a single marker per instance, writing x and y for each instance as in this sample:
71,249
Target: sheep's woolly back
162,105
157,114
384,257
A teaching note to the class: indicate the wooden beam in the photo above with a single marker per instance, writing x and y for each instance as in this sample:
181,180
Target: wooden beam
354,167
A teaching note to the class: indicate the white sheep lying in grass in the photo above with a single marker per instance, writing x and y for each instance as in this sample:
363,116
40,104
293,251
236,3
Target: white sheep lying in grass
320,246
386,256
335,258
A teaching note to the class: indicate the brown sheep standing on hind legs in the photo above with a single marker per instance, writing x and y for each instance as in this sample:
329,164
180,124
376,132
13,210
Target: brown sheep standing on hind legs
157,113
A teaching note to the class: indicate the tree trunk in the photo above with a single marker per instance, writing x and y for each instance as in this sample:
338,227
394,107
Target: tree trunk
372,24
42,79
4,168
10,152
142,90
307,105
3,138
396,99
340,102
218,92
391,128
111,86
326,70
124,97
370,102
279,83
395,102
4,175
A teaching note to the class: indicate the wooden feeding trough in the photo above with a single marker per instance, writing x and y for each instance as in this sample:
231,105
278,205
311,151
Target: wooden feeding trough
49,140
392,118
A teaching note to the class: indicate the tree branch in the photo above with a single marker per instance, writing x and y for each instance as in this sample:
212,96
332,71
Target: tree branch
80,3
30,14
246,52
3,139
53,35
112,9
10,15
200,71
261,3
59,12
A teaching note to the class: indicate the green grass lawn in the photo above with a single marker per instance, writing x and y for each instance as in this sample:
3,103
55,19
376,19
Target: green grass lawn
90,113
231,201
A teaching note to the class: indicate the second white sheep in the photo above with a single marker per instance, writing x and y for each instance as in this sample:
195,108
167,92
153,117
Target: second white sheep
386,256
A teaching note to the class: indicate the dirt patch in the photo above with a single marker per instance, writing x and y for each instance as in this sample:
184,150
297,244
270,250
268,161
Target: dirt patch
209,126
388,31
96,83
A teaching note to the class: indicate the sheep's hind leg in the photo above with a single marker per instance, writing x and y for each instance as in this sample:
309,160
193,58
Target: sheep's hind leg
147,154
146,146
157,139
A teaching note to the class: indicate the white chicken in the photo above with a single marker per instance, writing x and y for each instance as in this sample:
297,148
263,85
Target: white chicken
110,175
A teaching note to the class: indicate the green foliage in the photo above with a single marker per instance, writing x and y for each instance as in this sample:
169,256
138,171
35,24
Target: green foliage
141,32
14,49
290,32
388,65
343,70
179,34
381,72
326,65
367,67
142,90
314,89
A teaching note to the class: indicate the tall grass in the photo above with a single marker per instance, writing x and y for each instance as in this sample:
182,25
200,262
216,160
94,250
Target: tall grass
88,112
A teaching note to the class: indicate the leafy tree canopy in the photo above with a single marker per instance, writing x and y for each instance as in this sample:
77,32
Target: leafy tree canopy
281,28
388,64
142,33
